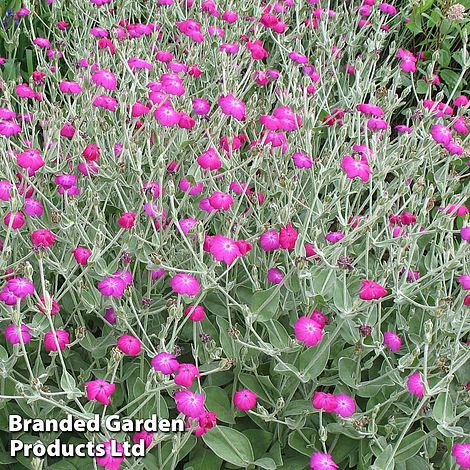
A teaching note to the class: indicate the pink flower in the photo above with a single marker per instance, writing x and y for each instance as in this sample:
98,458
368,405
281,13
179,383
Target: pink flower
14,219
62,338
392,340
33,207
244,399
104,78
20,287
5,190
13,334
196,313
371,290
232,106
129,345
30,159
209,160
189,403
320,318
287,237
224,249
112,286
185,284
308,331
127,220
43,238
8,297
72,88
145,436
461,452
9,128
221,201
465,233
302,160
441,134
372,109
415,384
106,102
345,405
206,422
464,281
111,461
275,276
461,100
324,401
321,461
269,241
81,255
165,363
201,106
334,237
186,374
356,168
408,60
99,390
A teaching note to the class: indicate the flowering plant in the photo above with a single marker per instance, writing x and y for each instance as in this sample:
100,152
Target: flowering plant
245,216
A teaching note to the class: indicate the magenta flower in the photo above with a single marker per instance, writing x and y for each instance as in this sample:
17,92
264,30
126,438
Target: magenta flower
441,134
371,290
112,286
189,403
321,461
20,287
43,238
464,281
15,220
13,334
302,160
334,237
275,276
245,399
185,284
287,237
165,363
62,338
99,390
209,160
106,102
104,78
356,168
186,374
324,401
345,405
269,241
81,255
111,461
461,452
129,345
33,207
392,341
415,384
224,249
232,106
196,313
221,201
5,190
308,331
72,88
145,436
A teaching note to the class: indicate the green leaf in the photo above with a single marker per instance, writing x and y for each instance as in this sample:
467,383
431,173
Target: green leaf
265,303
312,362
261,385
67,382
230,445
385,461
203,459
278,335
304,442
267,463
217,400
347,368
443,410
410,446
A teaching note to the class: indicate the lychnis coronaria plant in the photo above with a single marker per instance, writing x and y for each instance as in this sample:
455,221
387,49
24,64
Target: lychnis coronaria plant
251,217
